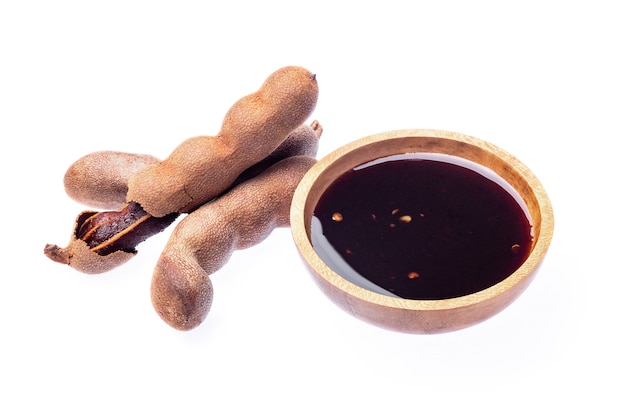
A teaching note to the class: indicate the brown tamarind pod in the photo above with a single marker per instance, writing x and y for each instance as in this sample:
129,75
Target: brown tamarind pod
101,241
201,243
100,179
203,167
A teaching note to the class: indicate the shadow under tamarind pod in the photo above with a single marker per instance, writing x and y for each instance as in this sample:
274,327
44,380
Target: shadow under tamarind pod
101,241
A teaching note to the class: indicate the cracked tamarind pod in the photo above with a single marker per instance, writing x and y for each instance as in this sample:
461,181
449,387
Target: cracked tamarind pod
102,241
181,289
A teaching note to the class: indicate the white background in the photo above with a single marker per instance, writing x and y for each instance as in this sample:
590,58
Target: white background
543,80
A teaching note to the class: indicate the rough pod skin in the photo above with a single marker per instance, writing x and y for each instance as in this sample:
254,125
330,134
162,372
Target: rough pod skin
100,179
202,167
203,241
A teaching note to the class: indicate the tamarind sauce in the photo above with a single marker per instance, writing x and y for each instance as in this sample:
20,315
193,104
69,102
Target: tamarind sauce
422,226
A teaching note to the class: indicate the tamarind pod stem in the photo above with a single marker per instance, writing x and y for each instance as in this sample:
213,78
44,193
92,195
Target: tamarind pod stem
203,167
100,179
201,243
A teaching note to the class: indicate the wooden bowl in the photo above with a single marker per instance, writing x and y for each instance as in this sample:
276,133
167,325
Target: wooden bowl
408,315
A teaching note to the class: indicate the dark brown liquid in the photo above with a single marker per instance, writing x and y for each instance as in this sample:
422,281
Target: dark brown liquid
421,228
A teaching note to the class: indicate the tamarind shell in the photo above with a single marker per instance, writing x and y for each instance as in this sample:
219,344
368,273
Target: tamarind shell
79,255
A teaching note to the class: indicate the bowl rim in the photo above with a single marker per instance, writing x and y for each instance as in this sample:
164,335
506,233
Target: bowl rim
301,237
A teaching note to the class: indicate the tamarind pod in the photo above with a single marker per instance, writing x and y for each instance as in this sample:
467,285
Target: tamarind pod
100,179
201,243
202,167
101,241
